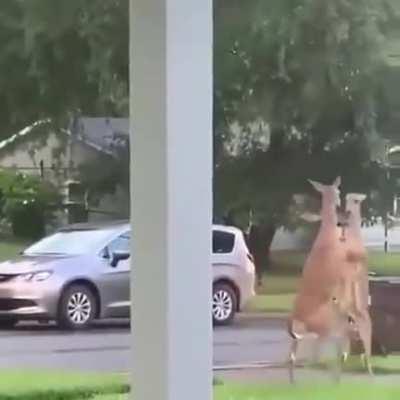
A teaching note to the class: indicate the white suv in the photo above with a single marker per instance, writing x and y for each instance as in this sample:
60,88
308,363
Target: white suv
233,274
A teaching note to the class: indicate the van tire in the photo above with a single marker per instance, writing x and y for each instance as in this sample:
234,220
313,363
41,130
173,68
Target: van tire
224,304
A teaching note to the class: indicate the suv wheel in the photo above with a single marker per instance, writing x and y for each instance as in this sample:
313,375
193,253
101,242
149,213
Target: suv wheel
224,304
78,308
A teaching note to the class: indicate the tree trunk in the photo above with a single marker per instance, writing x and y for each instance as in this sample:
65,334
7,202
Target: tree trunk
259,241
269,235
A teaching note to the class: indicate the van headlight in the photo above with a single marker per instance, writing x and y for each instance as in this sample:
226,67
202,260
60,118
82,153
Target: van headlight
39,276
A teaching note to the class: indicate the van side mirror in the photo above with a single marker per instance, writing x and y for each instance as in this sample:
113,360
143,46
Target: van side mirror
118,256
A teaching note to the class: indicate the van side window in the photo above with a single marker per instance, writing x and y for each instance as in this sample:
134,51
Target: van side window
223,242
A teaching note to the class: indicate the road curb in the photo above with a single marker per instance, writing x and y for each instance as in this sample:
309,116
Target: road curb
257,366
242,367
249,366
263,316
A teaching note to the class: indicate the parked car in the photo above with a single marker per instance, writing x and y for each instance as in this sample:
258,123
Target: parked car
385,313
82,273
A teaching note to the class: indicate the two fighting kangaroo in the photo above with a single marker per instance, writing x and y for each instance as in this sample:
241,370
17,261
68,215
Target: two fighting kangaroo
332,298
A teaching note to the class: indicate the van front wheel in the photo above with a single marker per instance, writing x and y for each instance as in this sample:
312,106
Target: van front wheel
77,308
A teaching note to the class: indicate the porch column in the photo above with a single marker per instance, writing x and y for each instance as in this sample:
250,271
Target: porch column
171,171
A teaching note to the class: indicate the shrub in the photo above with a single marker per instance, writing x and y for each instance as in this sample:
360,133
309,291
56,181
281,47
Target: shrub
27,203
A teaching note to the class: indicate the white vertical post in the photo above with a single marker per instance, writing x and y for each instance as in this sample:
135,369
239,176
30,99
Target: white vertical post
171,169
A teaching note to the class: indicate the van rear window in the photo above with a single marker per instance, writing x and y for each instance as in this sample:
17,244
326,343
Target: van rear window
223,242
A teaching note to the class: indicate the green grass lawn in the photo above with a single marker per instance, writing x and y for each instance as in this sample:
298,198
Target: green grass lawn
277,284
317,391
381,365
385,264
9,249
356,391
48,385
271,304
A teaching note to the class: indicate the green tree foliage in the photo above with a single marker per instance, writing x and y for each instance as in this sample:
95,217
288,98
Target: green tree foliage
65,58
60,57
304,64
27,203
312,71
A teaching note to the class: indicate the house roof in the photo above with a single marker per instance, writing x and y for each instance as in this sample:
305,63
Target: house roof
101,133
22,133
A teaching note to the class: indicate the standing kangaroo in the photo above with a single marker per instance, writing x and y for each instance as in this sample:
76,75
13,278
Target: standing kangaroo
315,312
356,254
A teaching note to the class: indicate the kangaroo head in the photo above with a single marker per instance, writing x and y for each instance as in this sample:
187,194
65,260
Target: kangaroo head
330,193
353,203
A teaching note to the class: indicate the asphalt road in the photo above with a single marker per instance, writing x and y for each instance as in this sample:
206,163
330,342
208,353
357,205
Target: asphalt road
106,347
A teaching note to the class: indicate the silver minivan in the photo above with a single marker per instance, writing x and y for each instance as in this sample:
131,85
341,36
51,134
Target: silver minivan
81,273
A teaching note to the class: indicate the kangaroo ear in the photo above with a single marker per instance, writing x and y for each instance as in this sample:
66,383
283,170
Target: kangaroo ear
319,187
310,217
337,182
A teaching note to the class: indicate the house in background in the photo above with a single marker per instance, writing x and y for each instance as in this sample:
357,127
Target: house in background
390,110
58,156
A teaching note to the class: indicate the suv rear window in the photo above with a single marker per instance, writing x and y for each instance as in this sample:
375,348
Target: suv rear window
223,242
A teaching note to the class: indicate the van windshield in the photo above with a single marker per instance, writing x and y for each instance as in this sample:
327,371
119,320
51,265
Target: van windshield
74,242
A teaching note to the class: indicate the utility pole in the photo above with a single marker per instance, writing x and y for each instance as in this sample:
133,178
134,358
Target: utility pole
41,167
171,184
386,199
